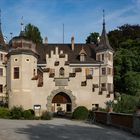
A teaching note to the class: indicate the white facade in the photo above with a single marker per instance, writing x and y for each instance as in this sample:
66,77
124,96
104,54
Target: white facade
83,87
54,76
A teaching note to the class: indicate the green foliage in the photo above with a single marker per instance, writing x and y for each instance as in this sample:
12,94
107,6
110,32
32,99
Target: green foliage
32,111
32,32
80,113
27,114
92,38
4,112
109,103
125,33
126,42
16,112
138,103
132,83
126,104
102,109
46,116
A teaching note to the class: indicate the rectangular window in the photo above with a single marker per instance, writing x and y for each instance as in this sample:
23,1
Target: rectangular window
103,71
110,57
102,57
1,71
1,57
87,71
16,72
110,87
109,71
103,86
1,88
91,71
98,57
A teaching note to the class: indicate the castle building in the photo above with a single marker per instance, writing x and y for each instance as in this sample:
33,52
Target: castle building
50,76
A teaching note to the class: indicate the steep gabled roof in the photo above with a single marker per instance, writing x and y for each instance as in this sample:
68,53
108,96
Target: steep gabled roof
73,55
82,51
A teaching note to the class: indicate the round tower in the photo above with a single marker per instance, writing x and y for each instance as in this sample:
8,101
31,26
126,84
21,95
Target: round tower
21,68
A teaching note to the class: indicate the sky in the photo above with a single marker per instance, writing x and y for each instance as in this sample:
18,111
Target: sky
80,17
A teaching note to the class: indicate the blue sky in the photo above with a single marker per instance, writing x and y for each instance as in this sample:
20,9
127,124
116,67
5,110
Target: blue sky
80,17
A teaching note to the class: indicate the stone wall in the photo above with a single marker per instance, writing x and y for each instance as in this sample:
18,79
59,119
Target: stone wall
127,122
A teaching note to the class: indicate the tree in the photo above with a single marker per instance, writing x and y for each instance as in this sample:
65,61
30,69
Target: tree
126,42
132,83
32,32
126,104
92,38
122,34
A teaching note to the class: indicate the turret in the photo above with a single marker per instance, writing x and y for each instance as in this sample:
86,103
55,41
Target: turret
21,67
104,53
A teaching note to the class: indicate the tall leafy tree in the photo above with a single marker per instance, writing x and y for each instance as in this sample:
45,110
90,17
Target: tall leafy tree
125,33
92,38
126,42
132,83
32,32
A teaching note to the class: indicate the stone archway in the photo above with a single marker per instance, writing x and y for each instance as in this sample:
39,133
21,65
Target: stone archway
54,92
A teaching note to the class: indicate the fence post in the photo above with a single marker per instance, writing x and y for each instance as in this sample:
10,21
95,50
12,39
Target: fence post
136,124
108,118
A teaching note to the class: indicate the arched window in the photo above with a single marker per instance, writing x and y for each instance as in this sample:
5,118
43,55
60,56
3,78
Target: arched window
61,71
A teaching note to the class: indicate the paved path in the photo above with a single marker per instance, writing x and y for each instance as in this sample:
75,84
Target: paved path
58,129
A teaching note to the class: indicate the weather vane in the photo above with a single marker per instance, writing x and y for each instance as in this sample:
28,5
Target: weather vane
103,16
0,17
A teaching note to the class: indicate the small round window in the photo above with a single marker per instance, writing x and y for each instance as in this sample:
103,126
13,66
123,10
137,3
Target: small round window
15,59
27,60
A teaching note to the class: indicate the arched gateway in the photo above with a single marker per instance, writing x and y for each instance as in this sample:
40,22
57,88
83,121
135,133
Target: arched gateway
61,98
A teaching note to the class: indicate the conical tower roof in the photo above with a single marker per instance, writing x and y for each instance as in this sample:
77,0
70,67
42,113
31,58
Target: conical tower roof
2,43
104,42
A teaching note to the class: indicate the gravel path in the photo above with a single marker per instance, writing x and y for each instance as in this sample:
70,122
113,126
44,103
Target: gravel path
58,129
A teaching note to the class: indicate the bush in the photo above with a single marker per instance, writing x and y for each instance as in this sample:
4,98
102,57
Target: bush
32,111
16,112
80,113
126,104
46,116
27,114
4,112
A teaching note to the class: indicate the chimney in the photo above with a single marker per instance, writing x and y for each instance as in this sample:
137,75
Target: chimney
72,42
46,40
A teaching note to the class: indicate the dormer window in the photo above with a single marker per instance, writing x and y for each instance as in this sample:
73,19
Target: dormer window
82,55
